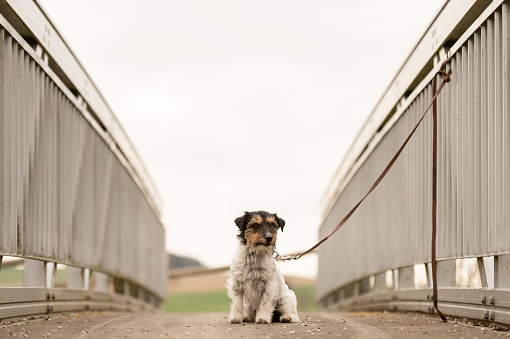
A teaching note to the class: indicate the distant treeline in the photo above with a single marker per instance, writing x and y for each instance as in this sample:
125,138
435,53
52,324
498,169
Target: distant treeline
177,261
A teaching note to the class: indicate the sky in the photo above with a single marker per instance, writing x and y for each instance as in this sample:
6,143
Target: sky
238,105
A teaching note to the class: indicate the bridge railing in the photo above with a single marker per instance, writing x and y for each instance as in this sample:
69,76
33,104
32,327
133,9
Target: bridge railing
73,190
381,258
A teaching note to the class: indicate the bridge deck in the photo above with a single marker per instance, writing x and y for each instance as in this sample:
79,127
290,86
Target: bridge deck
214,325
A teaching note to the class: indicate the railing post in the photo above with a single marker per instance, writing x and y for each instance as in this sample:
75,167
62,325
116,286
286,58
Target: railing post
51,273
102,282
486,268
380,282
502,271
406,277
446,273
75,278
35,273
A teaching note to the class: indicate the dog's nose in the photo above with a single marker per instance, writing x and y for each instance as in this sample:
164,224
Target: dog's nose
269,239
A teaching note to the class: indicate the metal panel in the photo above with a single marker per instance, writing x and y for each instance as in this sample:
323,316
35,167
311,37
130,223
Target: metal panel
444,27
49,40
391,230
67,196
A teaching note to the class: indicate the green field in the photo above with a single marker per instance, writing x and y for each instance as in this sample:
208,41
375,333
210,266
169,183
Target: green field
220,302
10,276
195,302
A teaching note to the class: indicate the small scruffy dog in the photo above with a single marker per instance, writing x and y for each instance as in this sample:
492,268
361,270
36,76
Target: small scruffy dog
256,286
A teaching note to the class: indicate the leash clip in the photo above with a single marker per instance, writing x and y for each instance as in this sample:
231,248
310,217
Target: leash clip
278,257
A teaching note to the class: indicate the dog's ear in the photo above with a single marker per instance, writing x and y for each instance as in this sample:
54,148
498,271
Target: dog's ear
280,222
242,227
240,221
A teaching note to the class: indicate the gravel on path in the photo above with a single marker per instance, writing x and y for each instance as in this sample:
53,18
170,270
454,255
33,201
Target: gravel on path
215,325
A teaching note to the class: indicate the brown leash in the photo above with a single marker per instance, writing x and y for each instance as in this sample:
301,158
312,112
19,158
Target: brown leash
445,76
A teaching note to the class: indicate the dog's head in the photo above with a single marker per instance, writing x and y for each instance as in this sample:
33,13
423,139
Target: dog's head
258,228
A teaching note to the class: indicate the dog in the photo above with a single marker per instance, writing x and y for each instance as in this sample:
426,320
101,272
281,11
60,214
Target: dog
256,286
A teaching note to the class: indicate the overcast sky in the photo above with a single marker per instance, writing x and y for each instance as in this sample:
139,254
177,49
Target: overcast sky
241,105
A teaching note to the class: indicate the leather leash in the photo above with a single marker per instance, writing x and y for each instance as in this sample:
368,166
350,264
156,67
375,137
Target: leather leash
445,76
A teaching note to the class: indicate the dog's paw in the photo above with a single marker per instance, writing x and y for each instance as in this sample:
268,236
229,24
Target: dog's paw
236,320
285,319
262,321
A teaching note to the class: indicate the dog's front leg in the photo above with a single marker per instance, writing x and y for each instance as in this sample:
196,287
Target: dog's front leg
249,313
236,308
265,310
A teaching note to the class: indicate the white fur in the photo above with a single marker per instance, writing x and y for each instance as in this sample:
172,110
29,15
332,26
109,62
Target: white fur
257,287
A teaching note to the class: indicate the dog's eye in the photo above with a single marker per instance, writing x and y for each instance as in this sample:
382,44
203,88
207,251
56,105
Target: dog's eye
255,226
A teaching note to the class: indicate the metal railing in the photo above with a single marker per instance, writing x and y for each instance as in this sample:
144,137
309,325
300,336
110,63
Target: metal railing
72,188
377,259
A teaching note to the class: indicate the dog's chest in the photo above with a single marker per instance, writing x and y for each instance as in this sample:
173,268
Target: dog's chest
255,270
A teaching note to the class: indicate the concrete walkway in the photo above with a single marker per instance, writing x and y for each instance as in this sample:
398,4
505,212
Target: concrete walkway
215,325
